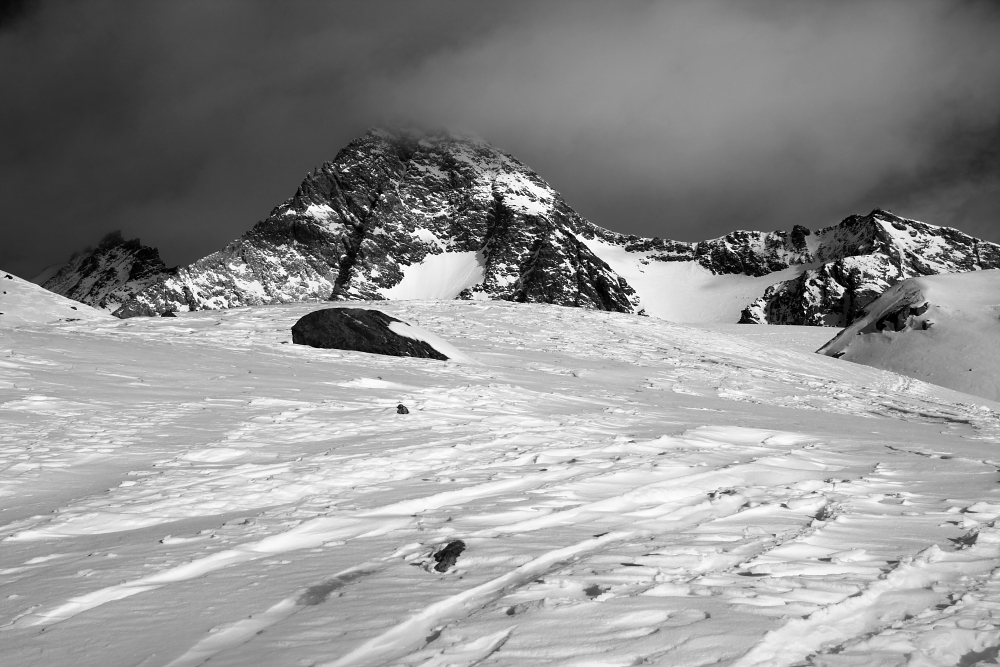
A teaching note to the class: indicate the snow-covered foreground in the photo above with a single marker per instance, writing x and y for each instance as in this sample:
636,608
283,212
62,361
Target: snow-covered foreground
629,492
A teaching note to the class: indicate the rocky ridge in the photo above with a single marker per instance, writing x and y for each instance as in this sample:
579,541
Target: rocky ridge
110,274
876,252
411,215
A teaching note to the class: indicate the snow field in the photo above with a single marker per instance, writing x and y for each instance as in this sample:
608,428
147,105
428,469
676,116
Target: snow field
23,302
440,276
630,492
705,297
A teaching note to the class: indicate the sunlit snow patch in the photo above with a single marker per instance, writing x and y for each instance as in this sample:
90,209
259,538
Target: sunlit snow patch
686,291
441,276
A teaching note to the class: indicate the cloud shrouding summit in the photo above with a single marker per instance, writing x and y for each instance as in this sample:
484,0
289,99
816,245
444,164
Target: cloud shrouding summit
185,122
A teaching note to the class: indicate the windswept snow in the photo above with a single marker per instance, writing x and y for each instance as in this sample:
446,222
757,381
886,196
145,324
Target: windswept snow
630,491
23,302
441,276
942,329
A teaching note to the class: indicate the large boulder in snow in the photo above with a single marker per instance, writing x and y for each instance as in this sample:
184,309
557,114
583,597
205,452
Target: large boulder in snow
363,330
942,329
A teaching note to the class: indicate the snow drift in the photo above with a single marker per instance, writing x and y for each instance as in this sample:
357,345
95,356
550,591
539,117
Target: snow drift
942,329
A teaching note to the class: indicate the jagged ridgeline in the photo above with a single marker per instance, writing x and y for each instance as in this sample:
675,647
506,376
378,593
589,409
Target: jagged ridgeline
407,215
109,275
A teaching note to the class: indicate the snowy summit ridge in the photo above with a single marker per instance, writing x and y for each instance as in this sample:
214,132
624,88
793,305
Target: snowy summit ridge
413,215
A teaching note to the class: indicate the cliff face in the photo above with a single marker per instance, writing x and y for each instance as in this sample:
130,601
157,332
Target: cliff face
110,274
414,216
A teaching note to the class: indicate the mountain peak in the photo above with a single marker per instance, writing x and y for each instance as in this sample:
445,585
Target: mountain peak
110,274
405,214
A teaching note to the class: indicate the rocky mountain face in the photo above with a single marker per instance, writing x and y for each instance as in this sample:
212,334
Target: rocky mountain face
856,261
110,274
407,215
480,224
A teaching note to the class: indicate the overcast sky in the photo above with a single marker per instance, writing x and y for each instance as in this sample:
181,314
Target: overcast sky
184,123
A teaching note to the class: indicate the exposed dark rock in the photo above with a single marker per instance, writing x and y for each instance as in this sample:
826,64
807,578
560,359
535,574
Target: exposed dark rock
168,313
109,274
900,319
360,330
447,557
402,410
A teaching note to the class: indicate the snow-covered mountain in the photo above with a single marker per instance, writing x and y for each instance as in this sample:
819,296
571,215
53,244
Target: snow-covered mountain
940,329
849,265
108,275
409,215
402,216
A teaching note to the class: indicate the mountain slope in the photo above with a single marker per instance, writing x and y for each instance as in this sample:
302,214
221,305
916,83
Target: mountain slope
940,329
23,302
108,275
408,215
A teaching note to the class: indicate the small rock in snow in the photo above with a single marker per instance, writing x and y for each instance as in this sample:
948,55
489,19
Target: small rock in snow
447,557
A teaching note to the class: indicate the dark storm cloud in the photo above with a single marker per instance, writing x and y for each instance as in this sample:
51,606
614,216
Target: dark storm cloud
185,122
696,118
